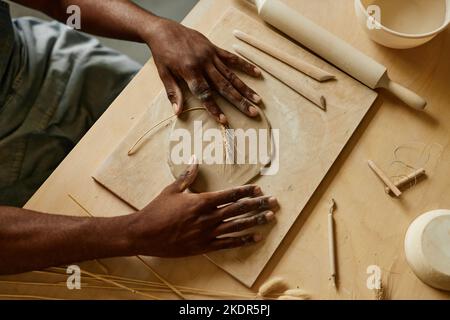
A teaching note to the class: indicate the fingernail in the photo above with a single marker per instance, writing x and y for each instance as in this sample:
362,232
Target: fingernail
223,119
257,191
256,98
193,160
273,201
257,71
253,111
270,216
176,108
257,237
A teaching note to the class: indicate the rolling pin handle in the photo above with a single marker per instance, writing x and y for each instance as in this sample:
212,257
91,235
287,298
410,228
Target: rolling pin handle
409,97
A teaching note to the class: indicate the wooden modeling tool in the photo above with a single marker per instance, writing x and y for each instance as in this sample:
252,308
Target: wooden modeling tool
288,79
412,177
384,178
331,243
335,50
295,62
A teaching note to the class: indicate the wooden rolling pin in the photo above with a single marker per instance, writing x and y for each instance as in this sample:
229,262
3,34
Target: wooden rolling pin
302,66
334,49
288,79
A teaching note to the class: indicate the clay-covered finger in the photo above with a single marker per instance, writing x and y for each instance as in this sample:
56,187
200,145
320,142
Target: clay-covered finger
234,61
242,224
240,86
219,198
173,90
186,178
245,206
229,92
201,89
235,242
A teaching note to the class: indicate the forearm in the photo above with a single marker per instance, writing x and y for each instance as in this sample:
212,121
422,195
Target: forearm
31,241
119,19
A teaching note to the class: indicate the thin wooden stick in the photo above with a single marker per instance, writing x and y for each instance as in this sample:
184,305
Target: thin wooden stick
195,291
118,278
155,273
131,151
63,284
301,88
384,178
59,284
331,243
413,176
101,265
182,288
80,205
120,285
22,296
302,66
103,279
156,289
190,289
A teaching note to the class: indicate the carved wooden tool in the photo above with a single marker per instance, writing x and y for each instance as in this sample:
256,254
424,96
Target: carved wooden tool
384,178
288,79
334,49
295,62
331,242
407,179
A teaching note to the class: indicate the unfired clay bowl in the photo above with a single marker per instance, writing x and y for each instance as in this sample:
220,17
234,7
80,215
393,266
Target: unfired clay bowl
405,23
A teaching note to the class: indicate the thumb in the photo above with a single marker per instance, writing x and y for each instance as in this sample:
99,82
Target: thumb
173,90
187,178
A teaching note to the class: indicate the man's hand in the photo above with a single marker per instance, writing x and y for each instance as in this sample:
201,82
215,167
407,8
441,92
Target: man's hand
183,54
178,223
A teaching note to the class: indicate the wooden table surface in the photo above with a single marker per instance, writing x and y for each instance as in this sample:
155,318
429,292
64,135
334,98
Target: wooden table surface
370,225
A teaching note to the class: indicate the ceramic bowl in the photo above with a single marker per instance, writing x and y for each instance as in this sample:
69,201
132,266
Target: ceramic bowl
403,24
427,248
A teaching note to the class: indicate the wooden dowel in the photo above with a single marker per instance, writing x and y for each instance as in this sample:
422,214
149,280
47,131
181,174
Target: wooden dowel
302,66
384,178
408,179
288,79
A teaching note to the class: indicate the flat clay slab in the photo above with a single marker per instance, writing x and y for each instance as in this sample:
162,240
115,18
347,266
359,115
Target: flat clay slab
310,142
223,162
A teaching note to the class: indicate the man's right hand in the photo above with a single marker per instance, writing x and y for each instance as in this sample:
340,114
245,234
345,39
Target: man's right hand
183,55
178,223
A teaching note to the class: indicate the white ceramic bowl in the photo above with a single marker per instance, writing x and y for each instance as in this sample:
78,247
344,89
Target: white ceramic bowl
427,248
405,23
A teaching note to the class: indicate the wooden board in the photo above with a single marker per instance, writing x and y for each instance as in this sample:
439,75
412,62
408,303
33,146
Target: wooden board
310,141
